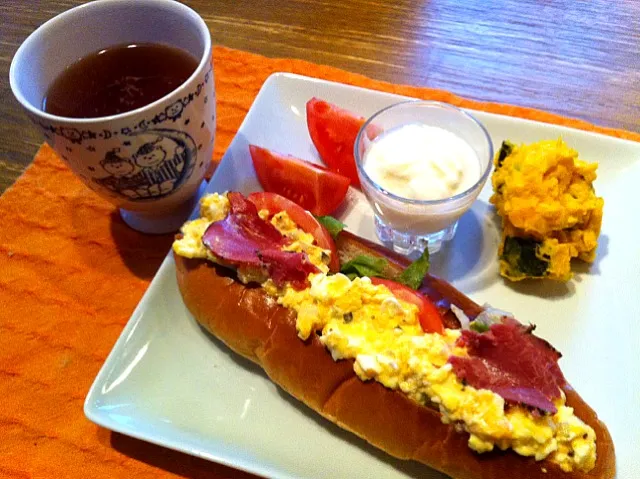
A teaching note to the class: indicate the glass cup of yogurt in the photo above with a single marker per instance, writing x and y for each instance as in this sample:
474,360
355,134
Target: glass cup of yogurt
421,164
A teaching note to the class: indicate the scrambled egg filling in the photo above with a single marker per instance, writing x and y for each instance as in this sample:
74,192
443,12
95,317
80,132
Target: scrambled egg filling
301,242
213,208
382,335
550,213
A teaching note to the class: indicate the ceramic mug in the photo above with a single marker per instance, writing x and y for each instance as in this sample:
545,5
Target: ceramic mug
150,161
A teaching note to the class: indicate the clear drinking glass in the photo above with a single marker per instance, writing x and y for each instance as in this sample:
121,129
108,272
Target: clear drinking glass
409,225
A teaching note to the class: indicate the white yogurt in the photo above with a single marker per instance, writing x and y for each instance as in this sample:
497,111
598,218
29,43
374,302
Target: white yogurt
422,162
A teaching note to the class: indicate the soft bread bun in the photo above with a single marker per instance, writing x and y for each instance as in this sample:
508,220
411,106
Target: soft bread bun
253,325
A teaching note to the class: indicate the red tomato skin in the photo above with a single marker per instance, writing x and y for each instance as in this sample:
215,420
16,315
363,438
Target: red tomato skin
275,203
333,131
312,186
428,314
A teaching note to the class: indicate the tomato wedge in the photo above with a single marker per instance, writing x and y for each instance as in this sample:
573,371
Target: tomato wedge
333,131
428,314
275,203
312,186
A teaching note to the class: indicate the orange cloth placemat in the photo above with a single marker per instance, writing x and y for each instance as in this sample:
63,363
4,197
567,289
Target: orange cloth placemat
71,275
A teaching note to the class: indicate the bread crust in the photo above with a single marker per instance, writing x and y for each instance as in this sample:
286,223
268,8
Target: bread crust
253,325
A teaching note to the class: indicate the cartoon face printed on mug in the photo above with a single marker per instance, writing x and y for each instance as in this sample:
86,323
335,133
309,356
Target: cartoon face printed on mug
175,110
116,165
150,155
71,134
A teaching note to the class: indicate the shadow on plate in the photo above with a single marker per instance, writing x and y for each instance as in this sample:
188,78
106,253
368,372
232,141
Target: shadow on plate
236,358
469,259
593,269
409,468
548,289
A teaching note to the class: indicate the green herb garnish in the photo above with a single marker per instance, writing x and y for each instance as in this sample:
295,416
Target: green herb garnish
363,265
478,326
414,274
334,227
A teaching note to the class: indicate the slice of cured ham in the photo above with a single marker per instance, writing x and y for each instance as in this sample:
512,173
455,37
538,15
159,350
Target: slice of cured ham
239,236
287,266
245,239
510,361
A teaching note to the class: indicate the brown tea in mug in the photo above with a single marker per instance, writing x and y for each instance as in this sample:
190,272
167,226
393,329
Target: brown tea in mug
118,79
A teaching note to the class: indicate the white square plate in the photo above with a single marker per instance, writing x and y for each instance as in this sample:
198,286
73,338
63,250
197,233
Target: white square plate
168,382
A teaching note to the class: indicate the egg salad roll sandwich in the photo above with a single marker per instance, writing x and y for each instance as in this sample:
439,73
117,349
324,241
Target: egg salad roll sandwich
378,346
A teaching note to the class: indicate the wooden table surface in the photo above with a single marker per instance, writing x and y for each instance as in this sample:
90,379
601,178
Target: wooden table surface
576,58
